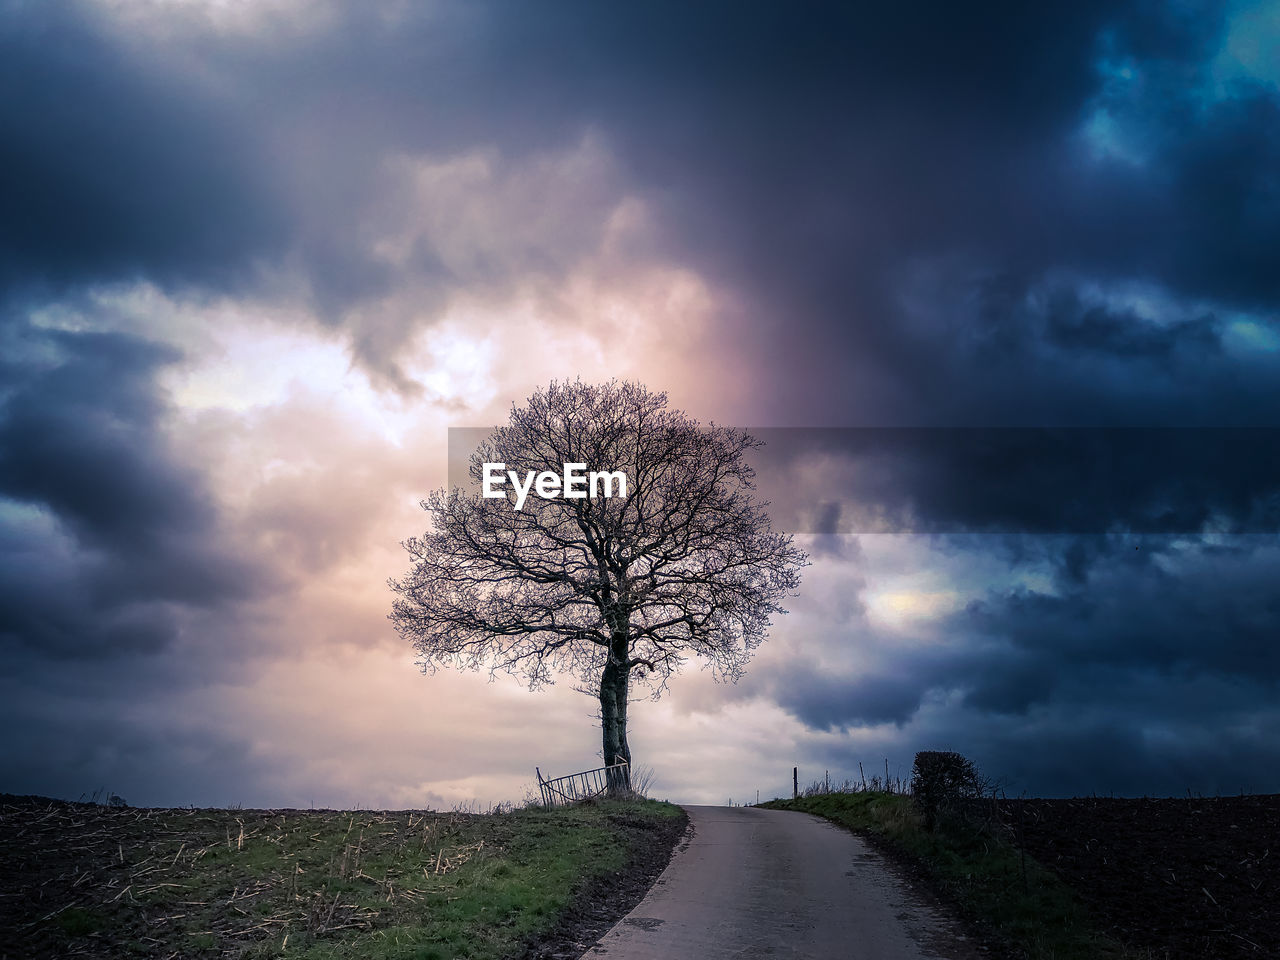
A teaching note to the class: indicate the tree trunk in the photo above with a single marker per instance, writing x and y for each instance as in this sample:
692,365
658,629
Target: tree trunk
613,710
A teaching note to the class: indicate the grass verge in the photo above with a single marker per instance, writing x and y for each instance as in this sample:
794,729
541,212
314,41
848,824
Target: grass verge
1014,901
408,885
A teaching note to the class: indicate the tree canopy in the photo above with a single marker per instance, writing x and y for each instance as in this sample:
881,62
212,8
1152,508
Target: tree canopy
611,590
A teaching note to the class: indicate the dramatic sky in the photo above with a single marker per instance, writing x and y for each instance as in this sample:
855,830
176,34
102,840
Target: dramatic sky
256,258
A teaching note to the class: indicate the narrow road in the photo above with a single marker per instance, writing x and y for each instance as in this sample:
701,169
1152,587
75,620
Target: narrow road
770,883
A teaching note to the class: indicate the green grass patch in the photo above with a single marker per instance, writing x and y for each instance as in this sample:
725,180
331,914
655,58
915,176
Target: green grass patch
1026,906
78,922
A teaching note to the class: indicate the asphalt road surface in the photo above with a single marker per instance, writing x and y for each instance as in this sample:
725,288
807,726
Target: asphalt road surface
755,883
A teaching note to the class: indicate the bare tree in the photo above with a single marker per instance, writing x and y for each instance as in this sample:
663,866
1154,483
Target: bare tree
611,590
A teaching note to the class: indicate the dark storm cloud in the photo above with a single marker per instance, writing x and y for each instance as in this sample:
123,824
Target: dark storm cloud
821,165
819,160
907,202
1124,680
1169,607
107,539
827,701
154,148
115,169
1081,328
904,201
85,734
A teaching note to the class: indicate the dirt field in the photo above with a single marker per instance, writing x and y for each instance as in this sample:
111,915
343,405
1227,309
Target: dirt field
80,880
1183,879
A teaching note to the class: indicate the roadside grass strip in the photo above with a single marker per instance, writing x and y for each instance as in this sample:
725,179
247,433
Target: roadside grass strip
1009,898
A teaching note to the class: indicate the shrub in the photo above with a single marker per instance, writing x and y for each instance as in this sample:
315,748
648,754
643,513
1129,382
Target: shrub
940,781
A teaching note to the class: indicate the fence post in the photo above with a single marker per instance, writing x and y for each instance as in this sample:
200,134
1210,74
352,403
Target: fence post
795,783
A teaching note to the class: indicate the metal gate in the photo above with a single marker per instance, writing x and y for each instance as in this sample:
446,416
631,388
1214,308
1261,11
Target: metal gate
576,787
